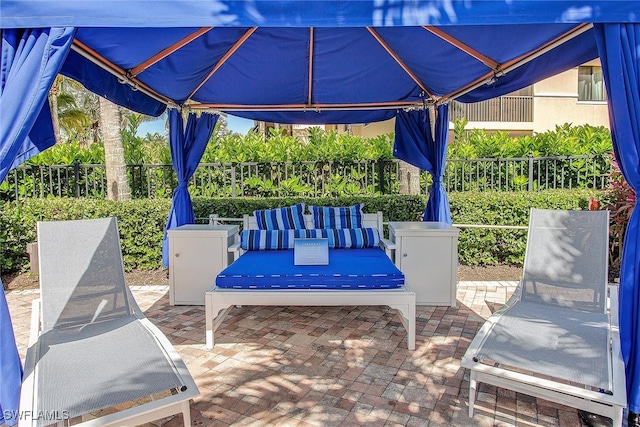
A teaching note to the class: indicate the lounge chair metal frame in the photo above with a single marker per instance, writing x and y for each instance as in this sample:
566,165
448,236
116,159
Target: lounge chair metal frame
609,404
155,408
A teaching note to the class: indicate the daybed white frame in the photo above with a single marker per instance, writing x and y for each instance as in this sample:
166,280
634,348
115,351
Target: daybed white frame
220,301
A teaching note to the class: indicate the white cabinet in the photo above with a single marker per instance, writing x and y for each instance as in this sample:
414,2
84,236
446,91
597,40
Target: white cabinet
197,253
427,254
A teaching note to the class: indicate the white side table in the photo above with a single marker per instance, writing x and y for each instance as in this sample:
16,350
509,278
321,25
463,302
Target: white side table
427,254
197,253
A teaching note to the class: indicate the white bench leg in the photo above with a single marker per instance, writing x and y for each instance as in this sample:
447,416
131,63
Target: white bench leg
618,417
407,313
411,338
214,314
186,414
208,320
472,392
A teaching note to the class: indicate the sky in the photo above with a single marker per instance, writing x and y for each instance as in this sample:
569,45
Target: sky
234,124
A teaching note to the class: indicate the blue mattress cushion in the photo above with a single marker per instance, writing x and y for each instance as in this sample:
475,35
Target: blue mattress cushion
345,238
348,269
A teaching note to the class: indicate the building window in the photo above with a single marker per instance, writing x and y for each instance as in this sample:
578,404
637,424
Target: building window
591,84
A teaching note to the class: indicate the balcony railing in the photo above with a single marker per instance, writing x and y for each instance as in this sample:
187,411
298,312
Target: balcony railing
501,109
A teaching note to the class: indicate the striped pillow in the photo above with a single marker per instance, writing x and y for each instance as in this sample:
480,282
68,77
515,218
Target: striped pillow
289,218
260,240
348,238
336,218
345,238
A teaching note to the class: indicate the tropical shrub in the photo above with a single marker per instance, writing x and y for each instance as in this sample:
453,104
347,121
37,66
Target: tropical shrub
620,199
564,140
484,246
280,147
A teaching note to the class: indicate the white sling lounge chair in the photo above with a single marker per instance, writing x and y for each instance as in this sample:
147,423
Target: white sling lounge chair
557,337
93,357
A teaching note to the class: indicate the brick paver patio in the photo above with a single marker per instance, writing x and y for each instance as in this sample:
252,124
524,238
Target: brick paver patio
334,366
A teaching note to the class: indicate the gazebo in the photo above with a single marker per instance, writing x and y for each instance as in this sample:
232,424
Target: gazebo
315,61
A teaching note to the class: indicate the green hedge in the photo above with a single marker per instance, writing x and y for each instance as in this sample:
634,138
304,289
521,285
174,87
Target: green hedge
481,246
141,222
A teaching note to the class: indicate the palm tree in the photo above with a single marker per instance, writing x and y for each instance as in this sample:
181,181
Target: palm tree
74,111
78,114
110,127
54,94
409,178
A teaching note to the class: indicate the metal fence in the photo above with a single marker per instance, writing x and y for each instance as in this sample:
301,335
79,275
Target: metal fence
313,179
528,173
295,178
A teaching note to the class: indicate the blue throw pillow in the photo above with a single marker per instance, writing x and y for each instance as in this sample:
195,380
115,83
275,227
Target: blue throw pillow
337,218
289,218
260,240
344,238
348,238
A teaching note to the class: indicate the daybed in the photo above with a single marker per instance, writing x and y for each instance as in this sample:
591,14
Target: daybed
359,271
